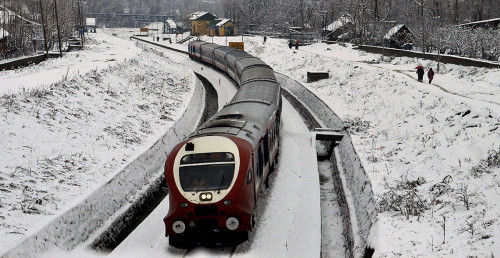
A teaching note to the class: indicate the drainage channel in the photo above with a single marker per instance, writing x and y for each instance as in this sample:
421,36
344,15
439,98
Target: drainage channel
335,240
135,215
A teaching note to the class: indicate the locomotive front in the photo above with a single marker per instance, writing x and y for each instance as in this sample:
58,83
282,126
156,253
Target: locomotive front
206,177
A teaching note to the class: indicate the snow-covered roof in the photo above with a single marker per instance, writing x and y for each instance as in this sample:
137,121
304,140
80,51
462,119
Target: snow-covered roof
90,22
393,31
11,13
221,23
479,22
171,24
339,23
197,15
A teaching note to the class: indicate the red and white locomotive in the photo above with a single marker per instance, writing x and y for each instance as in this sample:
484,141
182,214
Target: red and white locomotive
216,174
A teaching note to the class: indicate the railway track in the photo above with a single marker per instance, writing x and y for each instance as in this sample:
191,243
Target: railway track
326,169
314,114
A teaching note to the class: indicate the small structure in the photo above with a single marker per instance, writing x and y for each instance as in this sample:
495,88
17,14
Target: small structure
341,28
170,27
90,25
144,31
222,27
399,36
316,76
200,23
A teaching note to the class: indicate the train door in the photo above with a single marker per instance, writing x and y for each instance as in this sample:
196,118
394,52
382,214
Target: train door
266,149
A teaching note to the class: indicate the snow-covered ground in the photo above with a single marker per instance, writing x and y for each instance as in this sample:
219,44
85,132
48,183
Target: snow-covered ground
411,138
431,151
66,134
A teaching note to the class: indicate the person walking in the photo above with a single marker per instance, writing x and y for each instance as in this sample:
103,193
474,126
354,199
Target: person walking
430,75
420,73
265,38
297,44
290,44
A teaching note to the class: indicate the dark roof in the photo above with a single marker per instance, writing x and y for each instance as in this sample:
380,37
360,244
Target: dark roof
202,16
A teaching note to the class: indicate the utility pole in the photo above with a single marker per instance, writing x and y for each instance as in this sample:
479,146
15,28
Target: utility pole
4,20
44,31
58,29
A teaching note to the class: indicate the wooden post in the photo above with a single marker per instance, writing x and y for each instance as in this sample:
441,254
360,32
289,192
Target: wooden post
44,31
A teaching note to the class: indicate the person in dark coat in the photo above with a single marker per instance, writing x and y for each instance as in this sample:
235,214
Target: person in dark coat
297,44
420,73
265,38
430,75
290,44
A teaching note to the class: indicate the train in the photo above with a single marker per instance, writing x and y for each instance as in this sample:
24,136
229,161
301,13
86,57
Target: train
216,174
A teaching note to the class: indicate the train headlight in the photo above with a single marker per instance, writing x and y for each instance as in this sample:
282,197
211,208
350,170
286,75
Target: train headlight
206,197
179,227
184,205
227,202
232,223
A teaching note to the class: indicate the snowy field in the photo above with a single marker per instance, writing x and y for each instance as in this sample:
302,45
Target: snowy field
432,151
70,131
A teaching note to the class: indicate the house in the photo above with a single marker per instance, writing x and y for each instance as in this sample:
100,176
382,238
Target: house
222,27
200,23
398,36
340,28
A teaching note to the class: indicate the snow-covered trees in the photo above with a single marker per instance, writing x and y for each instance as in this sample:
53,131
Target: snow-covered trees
22,19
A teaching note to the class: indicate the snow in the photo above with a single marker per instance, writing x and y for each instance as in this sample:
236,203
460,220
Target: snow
345,19
393,31
221,23
409,136
196,15
66,139
403,130
294,183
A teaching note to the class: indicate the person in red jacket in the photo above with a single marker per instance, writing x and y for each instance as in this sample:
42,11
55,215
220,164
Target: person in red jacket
430,75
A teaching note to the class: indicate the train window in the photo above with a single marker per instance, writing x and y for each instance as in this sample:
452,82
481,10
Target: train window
260,165
266,148
249,176
206,177
207,158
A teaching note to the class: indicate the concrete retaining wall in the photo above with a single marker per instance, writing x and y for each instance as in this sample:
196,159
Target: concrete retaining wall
357,189
441,58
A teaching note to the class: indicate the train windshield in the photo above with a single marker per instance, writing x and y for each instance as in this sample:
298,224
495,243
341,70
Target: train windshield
206,177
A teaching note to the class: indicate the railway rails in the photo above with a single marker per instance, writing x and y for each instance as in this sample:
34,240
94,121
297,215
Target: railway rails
315,114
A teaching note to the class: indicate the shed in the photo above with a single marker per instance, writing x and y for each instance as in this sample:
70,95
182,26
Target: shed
200,22
170,26
222,27
340,28
398,36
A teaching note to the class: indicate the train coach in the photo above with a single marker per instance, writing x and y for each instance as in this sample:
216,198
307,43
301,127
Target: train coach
216,174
